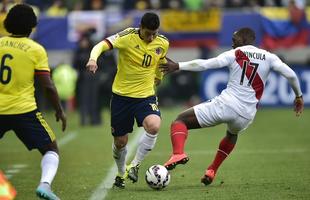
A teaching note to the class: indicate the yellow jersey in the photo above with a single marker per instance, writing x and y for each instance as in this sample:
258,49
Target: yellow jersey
137,63
20,59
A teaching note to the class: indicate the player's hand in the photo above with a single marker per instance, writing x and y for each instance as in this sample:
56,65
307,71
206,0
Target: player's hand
92,66
60,115
169,67
298,105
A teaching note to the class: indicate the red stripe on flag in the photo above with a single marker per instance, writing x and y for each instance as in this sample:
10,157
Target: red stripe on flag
257,83
299,39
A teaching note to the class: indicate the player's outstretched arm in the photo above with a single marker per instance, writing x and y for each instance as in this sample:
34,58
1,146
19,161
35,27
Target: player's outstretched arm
298,105
169,67
51,93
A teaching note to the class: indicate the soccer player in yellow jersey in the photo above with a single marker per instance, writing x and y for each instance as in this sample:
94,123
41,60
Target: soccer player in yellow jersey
21,60
141,50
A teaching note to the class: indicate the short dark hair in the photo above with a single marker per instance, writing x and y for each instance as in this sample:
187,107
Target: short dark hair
20,20
247,35
150,21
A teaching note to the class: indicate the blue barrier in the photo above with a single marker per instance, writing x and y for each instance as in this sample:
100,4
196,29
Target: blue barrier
52,33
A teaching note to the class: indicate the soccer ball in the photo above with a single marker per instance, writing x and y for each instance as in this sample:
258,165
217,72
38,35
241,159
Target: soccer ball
157,177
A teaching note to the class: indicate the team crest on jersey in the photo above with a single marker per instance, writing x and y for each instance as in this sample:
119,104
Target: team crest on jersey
158,50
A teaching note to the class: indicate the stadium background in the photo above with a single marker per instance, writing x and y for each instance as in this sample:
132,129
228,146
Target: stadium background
196,29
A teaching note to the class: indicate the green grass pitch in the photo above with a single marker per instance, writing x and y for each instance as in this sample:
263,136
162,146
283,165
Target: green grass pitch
271,161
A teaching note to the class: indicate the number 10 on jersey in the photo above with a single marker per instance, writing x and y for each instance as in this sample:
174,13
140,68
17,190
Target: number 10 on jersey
147,59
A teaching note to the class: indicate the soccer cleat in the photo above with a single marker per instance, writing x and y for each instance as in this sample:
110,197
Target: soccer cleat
119,182
44,192
176,159
132,172
208,177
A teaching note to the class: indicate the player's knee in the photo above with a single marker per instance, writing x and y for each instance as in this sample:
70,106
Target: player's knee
120,143
50,147
231,137
152,128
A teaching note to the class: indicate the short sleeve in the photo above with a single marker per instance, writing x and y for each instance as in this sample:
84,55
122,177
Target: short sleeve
41,60
118,40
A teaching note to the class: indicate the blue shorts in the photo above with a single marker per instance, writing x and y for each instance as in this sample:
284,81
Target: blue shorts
125,109
29,127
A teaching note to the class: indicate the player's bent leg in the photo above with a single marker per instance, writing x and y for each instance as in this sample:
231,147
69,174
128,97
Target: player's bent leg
119,149
178,132
151,125
225,148
49,166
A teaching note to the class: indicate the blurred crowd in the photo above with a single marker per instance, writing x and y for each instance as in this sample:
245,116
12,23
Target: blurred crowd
62,7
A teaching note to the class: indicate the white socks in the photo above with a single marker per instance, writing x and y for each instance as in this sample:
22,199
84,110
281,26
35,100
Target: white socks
120,158
49,166
146,144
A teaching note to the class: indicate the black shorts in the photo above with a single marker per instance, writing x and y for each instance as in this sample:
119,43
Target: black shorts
125,109
29,127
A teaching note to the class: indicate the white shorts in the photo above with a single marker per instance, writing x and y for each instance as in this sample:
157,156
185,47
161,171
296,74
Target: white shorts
214,112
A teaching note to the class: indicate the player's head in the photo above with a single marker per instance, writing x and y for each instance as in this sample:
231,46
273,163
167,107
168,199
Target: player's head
20,20
244,36
149,26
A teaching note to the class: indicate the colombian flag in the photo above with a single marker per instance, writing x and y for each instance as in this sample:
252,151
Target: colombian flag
284,28
7,191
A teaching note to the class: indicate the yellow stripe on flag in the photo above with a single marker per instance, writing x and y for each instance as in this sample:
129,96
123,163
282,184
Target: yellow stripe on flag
275,13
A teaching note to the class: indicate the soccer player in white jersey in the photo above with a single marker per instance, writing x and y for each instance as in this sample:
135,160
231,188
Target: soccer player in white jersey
236,106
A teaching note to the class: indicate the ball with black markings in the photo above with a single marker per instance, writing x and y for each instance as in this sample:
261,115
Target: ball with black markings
157,177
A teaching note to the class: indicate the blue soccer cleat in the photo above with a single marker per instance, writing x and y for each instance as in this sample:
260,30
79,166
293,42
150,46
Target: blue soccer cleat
44,191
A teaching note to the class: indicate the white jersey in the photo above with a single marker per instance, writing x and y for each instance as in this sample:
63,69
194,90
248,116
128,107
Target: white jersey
249,68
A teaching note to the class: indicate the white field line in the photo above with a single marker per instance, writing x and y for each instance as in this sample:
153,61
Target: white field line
102,190
67,138
17,168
